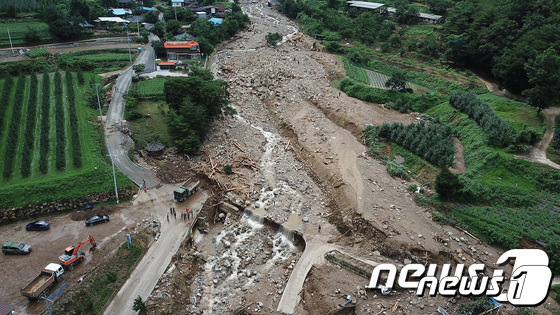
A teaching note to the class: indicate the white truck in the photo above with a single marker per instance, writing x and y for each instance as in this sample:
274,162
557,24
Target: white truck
38,287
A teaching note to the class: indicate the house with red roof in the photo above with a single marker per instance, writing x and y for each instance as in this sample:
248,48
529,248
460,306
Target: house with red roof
178,51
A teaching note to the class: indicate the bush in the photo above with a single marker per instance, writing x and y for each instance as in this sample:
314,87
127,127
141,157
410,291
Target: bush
26,154
228,169
421,200
60,153
481,305
37,52
499,131
74,123
447,184
273,38
396,169
432,142
139,305
13,131
44,134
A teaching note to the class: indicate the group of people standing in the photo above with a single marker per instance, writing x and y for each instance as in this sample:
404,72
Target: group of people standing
184,216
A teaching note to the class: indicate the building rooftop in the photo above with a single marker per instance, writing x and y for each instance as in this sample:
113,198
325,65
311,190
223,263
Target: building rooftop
188,44
120,11
216,21
114,19
365,5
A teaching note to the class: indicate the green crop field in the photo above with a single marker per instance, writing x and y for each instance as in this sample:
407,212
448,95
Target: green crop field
18,30
106,57
148,88
50,146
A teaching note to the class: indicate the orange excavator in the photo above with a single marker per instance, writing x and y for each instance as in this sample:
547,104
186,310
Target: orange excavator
71,256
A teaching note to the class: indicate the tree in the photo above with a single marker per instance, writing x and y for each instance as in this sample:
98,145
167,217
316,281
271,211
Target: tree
397,81
139,67
544,76
457,49
32,36
139,305
108,3
159,29
447,184
405,13
151,17
159,48
438,6
273,38
173,26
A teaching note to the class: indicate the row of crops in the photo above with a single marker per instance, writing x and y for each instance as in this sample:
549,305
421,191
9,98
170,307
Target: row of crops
506,226
433,142
29,119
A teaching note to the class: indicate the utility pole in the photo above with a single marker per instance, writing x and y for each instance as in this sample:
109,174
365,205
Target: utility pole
115,179
128,40
174,7
10,37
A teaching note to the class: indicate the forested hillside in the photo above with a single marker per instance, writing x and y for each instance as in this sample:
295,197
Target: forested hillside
518,40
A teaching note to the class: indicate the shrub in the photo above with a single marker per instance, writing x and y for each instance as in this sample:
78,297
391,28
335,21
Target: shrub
37,52
481,305
432,142
273,38
44,134
499,131
13,131
447,184
396,169
26,154
74,123
228,169
60,153
139,305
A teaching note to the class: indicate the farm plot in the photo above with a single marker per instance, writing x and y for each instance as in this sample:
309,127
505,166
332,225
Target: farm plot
506,226
18,30
50,143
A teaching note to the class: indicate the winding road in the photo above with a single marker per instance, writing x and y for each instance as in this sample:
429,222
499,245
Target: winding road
119,143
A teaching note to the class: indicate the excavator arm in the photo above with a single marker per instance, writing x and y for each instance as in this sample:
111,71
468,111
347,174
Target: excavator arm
89,239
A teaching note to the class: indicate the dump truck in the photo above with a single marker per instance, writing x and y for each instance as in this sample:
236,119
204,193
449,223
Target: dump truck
188,188
38,287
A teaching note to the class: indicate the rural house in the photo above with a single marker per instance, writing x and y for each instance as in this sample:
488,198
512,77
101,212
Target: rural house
212,10
177,51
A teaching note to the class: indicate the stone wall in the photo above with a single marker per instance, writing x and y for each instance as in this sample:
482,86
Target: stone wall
15,214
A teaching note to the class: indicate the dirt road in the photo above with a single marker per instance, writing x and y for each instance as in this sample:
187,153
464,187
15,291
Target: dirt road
148,271
16,271
538,152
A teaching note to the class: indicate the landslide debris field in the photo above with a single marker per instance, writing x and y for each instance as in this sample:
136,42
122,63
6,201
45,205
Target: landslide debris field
298,164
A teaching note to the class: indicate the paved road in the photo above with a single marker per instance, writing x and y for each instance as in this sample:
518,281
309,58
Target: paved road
154,263
118,143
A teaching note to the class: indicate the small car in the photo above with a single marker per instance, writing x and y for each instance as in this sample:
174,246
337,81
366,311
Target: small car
14,248
97,219
38,226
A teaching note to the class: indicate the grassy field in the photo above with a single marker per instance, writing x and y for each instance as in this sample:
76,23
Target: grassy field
96,61
517,113
106,57
18,30
148,88
93,176
153,127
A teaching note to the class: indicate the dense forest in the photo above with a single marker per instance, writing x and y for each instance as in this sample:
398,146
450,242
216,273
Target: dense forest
518,40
